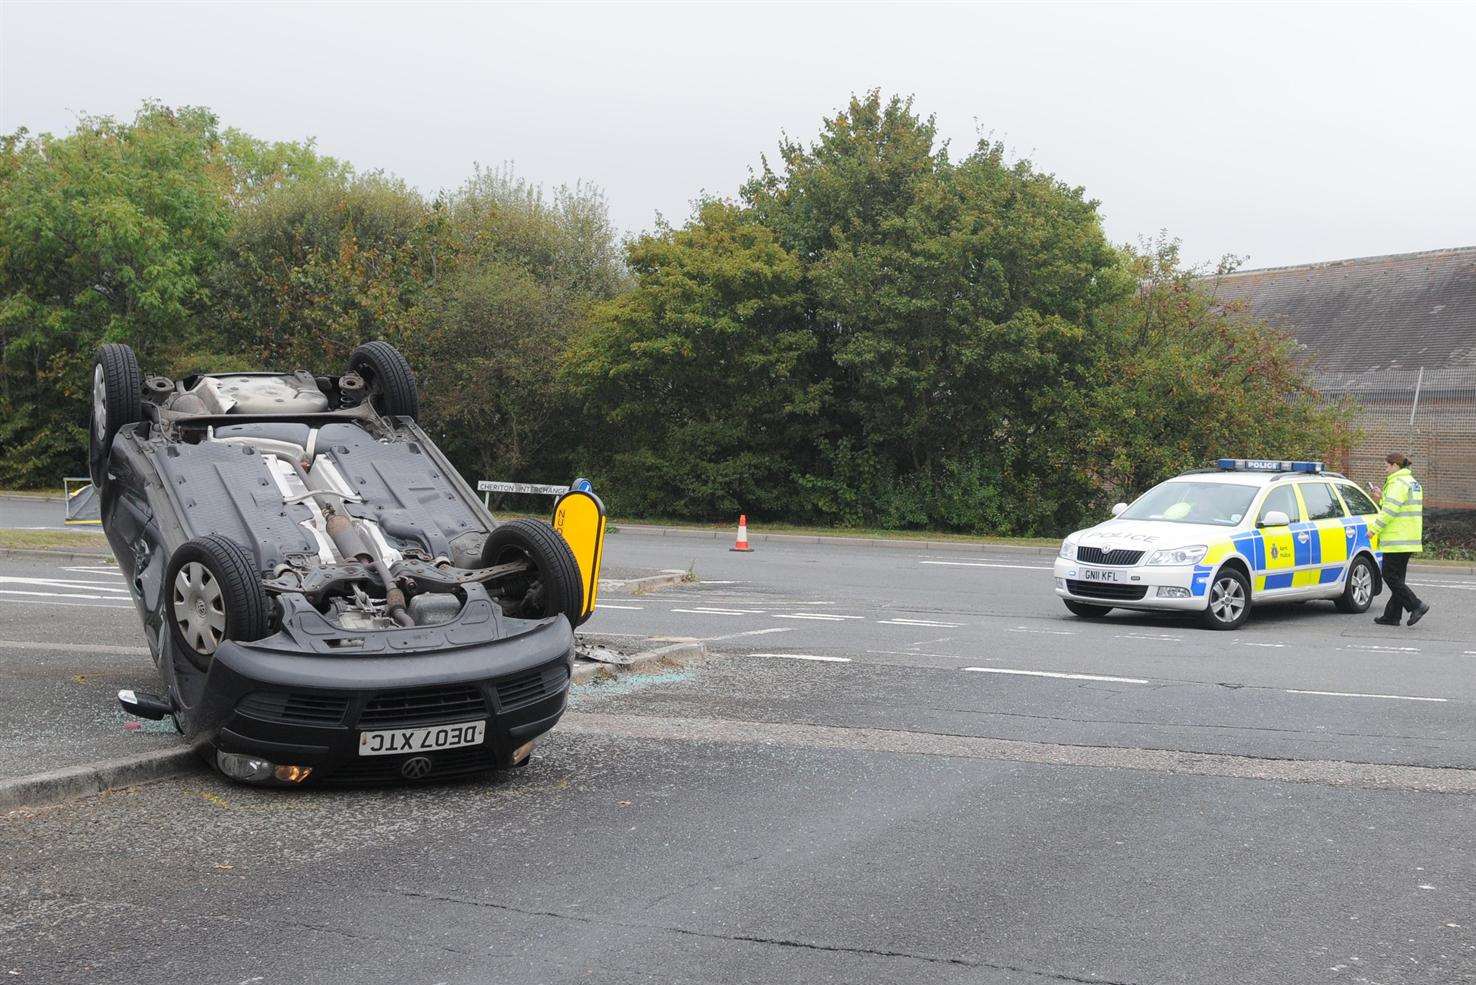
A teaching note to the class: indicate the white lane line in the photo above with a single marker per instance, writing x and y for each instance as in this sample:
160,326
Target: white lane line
1043,632
59,595
96,570
1356,694
612,605
1253,643
1443,584
723,612
926,623
824,616
74,647
750,632
1148,636
1052,673
1375,648
54,601
707,582
74,583
805,656
989,564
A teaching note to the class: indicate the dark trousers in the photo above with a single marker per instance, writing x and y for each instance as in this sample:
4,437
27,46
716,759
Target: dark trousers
1400,597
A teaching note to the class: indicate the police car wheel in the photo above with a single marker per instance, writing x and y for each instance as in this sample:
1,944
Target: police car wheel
1358,589
1229,600
1087,611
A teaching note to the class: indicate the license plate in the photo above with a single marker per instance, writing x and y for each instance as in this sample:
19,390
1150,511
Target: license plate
390,742
1096,574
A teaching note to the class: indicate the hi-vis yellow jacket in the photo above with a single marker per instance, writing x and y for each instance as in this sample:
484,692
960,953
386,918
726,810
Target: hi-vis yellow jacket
1398,523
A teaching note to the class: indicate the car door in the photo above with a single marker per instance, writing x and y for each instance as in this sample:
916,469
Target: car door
1277,558
1329,540
1361,509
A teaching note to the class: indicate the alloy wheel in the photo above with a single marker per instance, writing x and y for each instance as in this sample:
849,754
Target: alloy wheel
1227,599
1362,585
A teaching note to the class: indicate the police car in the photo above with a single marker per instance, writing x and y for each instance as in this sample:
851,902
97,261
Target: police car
1215,541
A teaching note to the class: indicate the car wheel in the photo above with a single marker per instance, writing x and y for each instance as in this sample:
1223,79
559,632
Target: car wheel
554,585
388,379
1087,611
1229,600
1358,588
215,594
117,401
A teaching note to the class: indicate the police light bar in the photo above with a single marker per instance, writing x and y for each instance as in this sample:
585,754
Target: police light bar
1266,465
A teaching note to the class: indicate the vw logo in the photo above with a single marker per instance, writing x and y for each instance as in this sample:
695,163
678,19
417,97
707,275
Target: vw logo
416,768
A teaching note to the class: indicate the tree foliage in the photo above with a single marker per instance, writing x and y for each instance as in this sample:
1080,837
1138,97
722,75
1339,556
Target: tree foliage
872,330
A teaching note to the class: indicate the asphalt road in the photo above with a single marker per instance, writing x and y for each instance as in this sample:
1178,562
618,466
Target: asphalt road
896,767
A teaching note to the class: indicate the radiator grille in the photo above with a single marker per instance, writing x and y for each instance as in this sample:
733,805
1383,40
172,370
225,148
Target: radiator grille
532,685
378,769
424,706
1095,555
1105,590
296,707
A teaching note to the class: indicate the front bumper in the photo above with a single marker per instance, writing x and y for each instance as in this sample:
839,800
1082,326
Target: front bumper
308,709
1150,588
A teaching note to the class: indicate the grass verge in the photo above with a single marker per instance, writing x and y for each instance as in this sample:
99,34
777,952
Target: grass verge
53,540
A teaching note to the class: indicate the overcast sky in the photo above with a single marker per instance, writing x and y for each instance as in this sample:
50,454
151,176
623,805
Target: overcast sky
1285,133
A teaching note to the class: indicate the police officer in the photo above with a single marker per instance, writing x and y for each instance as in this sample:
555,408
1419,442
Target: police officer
1398,524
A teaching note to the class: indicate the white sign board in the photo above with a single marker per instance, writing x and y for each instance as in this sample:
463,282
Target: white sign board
486,486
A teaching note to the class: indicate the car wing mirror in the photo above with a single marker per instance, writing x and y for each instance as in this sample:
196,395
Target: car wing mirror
1117,508
1275,518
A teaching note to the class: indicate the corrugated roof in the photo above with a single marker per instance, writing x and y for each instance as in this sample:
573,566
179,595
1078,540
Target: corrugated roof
1371,321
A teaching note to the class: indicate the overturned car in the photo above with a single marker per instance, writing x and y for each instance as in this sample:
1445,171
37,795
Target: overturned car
324,597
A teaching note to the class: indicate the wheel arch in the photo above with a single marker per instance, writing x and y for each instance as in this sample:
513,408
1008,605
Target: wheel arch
1378,571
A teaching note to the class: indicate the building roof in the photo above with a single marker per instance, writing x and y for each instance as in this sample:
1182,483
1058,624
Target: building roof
1371,322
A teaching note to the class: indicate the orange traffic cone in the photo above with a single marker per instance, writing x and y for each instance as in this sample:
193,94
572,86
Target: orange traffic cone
742,543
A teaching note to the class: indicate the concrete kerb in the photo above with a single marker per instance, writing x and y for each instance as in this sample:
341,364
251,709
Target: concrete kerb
72,782
89,779
671,655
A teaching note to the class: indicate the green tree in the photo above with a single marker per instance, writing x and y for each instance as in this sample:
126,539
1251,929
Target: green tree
105,235
698,384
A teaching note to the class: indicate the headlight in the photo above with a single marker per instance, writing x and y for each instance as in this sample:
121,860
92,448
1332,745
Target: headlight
1178,555
1068,549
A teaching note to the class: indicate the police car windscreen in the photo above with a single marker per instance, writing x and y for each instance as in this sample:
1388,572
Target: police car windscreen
1220,503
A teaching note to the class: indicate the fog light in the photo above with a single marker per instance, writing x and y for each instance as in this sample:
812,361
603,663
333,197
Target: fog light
1060,582
247,769
521,753
1170,592
293,774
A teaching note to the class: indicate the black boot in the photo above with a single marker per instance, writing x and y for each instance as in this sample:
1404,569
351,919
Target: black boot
1419,613
1386,621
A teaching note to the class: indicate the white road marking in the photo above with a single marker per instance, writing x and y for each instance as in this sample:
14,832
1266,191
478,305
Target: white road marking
73,583
54,601
612,605
1356,694
1375,648
989,564
96,570
751,632
825,616
723,612
1045,632
1148,636
1443,584
1253,643
1052,673
920,622
59,595
806,656
74,647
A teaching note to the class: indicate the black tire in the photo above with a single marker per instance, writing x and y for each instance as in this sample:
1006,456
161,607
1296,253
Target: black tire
243,606
1229,602
554,587
117,401
1086,610
1358,595
387,378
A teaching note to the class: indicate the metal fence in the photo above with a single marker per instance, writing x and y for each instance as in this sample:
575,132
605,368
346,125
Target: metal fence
1430,415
